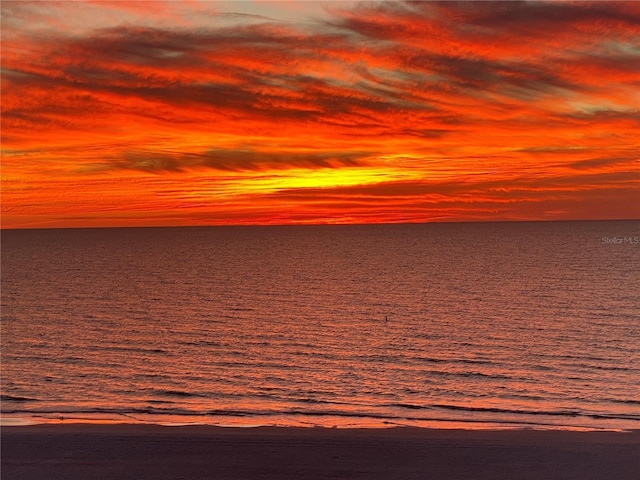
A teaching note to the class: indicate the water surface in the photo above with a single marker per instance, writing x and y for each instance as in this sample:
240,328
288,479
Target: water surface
486,324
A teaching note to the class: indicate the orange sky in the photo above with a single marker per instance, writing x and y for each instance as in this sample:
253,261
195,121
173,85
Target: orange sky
206,113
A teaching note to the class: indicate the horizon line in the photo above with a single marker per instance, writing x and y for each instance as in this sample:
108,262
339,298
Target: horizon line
382,224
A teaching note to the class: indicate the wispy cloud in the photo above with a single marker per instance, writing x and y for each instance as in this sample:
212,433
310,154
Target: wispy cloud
476,108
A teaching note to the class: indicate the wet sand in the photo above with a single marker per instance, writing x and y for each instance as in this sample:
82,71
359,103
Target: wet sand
202,452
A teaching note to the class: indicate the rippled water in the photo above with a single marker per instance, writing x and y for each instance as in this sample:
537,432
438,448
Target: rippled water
431,325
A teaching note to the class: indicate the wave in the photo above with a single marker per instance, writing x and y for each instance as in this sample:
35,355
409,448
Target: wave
626,402
317,401
69,411
494,376
602,367
177,393
559,413
408,405
12,398
203,343
126,349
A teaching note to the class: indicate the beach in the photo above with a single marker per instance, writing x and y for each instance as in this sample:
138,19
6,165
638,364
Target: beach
95,451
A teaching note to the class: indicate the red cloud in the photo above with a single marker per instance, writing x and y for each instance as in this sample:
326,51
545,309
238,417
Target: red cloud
398,108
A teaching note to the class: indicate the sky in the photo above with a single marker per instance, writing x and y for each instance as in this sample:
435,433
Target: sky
231,113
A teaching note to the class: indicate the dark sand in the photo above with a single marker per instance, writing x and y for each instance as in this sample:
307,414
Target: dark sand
154,452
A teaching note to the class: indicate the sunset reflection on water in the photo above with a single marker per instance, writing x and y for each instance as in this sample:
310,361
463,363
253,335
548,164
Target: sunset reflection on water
427,325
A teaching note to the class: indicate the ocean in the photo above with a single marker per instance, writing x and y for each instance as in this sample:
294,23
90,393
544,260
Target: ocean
466,325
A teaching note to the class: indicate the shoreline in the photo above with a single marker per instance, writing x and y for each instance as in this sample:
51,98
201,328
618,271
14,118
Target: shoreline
146,451
296,420
440,424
